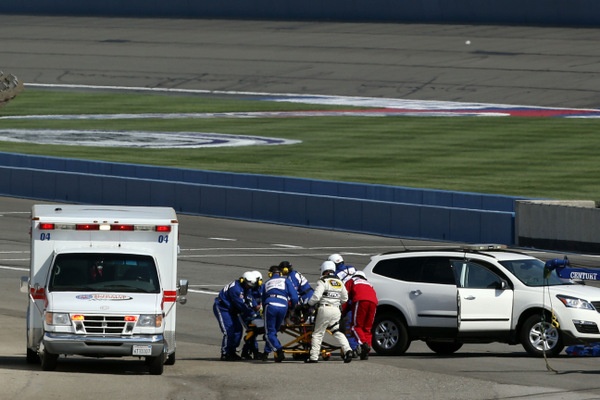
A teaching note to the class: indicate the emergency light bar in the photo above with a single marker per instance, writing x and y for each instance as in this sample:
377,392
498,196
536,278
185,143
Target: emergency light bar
46,226
482,247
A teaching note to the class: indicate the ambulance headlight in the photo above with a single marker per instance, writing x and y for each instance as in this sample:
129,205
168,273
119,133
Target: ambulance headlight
150,320
61,319
574,302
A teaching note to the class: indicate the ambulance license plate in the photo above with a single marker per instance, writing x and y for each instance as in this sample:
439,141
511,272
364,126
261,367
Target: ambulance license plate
142,350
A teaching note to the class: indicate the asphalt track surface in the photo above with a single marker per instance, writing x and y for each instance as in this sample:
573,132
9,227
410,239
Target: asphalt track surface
554,67
515,65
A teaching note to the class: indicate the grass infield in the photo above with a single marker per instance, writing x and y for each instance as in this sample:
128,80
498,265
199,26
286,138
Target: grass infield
535,157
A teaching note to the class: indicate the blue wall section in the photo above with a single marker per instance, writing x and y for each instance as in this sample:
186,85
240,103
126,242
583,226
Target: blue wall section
530,12
372,209
362,191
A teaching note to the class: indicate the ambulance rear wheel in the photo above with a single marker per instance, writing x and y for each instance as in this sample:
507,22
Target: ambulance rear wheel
48,361
156,365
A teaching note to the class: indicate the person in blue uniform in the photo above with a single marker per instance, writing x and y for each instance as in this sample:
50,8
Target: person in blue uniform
254,325
300,282
278,295
231,307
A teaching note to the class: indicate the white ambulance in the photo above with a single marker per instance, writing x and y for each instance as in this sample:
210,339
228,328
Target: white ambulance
103,283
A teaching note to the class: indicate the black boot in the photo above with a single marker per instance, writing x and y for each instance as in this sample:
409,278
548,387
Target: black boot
364,351
279,356
232,357
348,357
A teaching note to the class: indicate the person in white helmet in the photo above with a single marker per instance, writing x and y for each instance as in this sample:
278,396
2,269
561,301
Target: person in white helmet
230,308
328,296
254,322
362,306
344,272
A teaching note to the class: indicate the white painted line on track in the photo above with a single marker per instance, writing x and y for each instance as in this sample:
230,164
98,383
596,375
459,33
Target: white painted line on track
13,268
288,246
203,292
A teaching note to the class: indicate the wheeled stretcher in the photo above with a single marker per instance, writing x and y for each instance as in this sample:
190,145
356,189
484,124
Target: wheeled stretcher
295,336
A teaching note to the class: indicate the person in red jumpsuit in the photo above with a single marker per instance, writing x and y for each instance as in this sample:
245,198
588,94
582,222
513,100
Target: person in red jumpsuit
362,304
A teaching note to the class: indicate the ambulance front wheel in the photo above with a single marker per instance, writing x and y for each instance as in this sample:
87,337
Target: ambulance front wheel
170,359
48,361
32,357
156,365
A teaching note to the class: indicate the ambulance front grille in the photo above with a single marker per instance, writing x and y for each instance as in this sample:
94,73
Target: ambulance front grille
104,324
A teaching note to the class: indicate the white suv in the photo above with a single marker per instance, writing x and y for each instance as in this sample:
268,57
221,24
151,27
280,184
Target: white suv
477,294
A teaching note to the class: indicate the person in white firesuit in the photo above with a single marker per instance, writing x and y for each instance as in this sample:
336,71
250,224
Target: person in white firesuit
328,296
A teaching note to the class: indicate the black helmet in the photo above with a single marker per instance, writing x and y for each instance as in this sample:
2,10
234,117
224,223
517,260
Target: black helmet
285,267
274,269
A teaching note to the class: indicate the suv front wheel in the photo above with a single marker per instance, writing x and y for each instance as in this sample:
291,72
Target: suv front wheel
390,335
539,336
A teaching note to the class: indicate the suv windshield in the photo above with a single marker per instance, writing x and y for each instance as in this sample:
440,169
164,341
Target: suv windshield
531,273
104,273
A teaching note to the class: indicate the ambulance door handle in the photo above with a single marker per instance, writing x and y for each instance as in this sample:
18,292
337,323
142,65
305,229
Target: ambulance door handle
470,297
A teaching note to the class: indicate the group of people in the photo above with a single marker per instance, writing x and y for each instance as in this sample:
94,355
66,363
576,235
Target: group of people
341,294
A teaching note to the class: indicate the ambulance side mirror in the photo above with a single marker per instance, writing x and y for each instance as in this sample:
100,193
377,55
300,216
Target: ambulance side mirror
182,290
24,285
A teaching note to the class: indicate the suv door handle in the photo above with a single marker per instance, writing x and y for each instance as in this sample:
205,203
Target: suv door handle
416,292
470,297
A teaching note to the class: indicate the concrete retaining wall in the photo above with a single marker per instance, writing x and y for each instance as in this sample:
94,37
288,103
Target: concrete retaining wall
560,225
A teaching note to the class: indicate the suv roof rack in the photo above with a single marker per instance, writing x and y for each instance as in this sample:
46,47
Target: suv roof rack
458,247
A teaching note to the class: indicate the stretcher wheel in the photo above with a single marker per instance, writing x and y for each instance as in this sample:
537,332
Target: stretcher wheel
326,356
300,357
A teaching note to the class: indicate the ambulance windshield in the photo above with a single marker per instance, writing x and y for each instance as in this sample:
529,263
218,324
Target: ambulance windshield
104,273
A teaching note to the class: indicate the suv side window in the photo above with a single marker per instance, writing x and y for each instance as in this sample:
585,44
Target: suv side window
438,270
475,276
417,269
403,269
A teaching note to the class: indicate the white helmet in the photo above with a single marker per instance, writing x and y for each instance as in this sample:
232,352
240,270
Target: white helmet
361,274
336,258
327,266
251,278
258,276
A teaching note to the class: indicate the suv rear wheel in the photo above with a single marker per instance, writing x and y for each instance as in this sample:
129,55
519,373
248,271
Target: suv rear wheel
539,336
390,335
